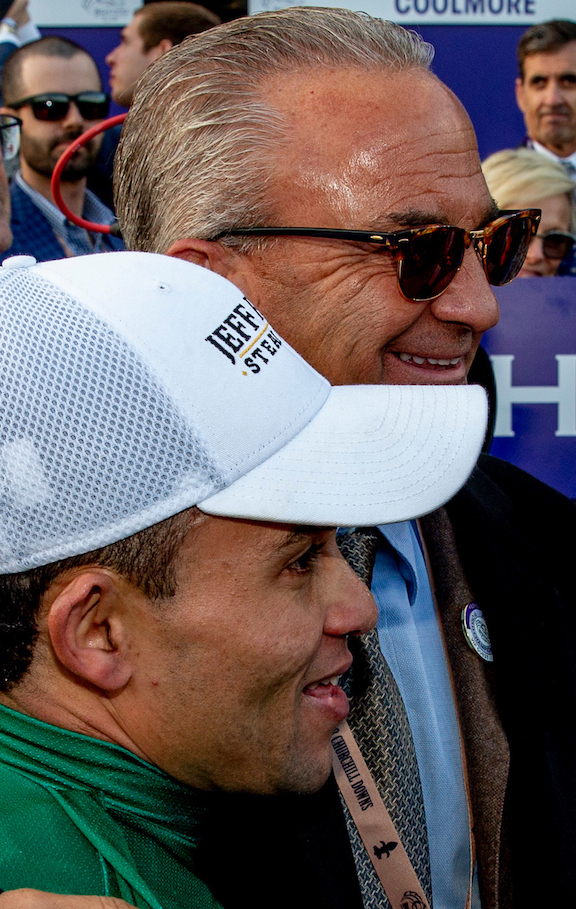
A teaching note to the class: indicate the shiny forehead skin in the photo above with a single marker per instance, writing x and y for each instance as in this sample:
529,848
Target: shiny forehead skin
366,148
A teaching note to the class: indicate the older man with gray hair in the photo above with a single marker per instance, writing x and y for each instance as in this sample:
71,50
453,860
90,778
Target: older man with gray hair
316,162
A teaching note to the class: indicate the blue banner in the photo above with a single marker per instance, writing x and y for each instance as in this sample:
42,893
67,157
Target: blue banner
533,353
442,12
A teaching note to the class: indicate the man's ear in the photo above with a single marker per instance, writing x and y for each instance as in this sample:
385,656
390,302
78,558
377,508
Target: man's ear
164,45
218,258
88,631
207,253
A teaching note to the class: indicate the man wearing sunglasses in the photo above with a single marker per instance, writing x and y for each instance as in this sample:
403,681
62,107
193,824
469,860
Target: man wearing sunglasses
312,158
54,87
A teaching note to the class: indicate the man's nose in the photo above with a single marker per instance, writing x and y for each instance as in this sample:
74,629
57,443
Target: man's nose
469,299
73,115
553,93
353,610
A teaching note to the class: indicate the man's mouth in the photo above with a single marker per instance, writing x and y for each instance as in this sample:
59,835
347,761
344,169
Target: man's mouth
429,361
555,114
66,141
333,680
325,695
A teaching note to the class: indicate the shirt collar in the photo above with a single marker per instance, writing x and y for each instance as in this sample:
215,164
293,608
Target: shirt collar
93,209
405,540
546,151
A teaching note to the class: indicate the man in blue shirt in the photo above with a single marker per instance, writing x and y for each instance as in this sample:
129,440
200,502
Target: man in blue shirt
53,85
336,124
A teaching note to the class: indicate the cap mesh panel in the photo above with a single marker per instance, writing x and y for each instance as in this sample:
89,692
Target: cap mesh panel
92,448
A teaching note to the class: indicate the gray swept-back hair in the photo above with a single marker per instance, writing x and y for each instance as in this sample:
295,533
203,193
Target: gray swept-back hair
194,157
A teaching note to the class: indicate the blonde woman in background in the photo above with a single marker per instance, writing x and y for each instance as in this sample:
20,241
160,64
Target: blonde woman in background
522,178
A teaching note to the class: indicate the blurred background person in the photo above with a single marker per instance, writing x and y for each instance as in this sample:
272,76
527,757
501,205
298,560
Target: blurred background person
152,31
546,89
16,29
9,144
226,10
523,178
54,87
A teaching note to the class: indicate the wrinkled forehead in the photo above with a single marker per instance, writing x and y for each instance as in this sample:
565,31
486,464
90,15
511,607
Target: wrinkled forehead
360,144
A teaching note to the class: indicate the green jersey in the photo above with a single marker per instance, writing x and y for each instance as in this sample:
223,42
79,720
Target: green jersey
82,816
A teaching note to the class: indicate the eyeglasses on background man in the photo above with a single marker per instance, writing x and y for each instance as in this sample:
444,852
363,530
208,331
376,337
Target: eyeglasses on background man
9,137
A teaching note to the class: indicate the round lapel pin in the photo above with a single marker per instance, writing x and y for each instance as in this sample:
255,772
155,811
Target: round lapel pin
476,631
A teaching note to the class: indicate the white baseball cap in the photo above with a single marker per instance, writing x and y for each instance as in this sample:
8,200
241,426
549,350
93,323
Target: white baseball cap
135,385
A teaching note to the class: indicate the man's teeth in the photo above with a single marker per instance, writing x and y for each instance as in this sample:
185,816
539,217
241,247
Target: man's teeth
406,357
331,681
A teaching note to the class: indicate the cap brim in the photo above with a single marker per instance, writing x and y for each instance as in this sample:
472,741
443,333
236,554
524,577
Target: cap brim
371,455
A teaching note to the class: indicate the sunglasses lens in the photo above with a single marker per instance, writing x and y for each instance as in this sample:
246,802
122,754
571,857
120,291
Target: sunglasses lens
50,108
556,245
93,105
428,261
506,249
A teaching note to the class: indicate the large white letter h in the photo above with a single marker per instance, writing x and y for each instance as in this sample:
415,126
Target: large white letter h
563,394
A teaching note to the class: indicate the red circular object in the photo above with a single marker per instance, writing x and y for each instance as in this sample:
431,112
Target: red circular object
62,162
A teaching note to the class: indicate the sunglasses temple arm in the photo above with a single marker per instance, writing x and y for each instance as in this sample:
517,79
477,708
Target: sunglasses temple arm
61,164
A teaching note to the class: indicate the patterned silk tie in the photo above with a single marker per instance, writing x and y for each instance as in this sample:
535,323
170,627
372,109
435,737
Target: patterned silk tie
380,725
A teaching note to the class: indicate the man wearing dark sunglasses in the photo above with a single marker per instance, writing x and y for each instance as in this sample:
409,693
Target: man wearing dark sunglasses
312,158
54,87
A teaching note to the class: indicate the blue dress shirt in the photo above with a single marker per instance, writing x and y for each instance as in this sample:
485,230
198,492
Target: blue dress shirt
412,643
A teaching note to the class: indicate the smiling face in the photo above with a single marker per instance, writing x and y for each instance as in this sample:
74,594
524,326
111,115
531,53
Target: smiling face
358,158
547,98
42,142
226,694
